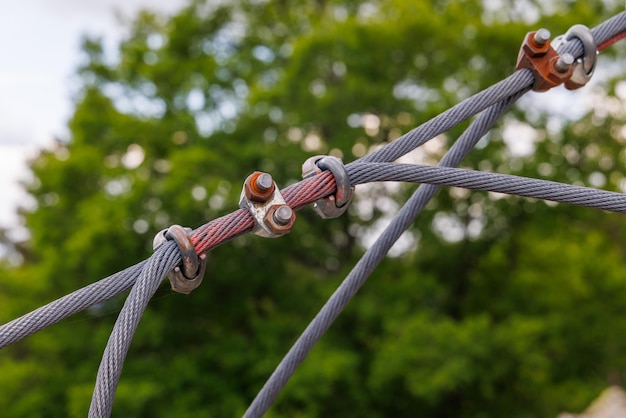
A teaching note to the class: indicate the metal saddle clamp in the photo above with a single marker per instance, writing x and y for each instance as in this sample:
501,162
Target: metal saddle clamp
585,66
548,67
334,205
262,198
185,277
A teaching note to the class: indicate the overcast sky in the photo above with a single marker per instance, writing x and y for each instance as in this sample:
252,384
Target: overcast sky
39,52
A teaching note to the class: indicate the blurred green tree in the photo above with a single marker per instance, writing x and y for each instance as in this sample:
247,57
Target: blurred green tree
492,306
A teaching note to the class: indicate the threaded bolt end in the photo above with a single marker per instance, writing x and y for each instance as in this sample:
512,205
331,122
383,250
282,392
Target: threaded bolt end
282,215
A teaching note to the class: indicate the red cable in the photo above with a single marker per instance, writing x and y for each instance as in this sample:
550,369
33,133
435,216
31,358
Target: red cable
612,40
227,227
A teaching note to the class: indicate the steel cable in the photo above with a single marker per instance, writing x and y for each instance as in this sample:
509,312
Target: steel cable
206,237
68,305
163,260
492,182
607,31
492,102
215,233
368,262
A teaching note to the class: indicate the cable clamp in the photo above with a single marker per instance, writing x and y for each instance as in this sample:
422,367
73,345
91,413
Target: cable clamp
334,205
262,198
549,68
185,277
585,66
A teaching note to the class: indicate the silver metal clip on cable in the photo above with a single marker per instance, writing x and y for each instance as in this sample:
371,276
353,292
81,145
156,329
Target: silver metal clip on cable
189,274
261,196
584,67
335,205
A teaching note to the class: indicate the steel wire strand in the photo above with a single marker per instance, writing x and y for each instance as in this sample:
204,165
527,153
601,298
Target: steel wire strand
206,237
89,295
157,267
492,182
364,267
607,31
519,81
68,305
162,261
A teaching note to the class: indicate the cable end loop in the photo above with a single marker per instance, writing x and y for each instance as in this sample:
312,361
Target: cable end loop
334,205
187,276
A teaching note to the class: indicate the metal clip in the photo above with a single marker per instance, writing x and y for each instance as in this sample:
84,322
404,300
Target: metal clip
189,274
549,68
335,205
272,216
585,66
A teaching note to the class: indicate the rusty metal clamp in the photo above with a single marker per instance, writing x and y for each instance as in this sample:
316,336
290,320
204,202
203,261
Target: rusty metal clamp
585,66
549,68
335,205
262,198
189,274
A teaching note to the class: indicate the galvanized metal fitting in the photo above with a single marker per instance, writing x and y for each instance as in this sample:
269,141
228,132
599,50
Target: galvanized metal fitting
334,205
262,198
185,277
585,66
549,69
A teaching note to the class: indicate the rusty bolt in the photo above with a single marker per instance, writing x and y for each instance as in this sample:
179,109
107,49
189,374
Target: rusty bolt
541,37
280,219
532,46
259,187
549,69
564,63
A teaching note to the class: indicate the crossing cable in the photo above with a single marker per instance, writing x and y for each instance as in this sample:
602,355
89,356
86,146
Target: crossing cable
329,312
519,81
237,223
491,182
368,262
605,34
206,237
110,369
155,270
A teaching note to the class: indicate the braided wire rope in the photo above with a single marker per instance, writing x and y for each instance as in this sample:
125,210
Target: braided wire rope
221,230
145,277
165,259
206,237
368,262
359,274
490,182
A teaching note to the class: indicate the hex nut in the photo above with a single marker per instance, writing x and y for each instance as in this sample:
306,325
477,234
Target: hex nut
534,49
274,226
255,193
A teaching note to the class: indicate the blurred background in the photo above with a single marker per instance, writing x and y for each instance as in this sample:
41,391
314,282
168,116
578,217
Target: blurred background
121,119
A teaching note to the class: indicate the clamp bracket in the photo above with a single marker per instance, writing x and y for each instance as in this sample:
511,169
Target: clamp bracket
335,205
189,274
549,68
584,67
262,198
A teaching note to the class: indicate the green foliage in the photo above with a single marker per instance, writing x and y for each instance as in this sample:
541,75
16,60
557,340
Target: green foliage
501,307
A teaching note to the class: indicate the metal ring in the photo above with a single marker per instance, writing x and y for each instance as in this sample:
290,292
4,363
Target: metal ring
334,205
343,195
189,274
585,66
187,250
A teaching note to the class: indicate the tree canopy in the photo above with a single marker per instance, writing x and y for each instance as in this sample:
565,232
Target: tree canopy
491,306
